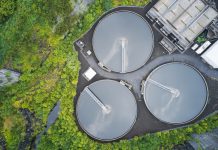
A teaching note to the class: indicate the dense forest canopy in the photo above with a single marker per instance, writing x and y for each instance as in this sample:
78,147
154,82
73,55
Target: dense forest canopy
7,8
36,38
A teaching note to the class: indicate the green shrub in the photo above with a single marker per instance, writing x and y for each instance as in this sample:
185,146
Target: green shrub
107,5
7,8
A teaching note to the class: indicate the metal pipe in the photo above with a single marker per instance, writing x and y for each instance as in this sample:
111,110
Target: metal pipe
97,100
123,55
173,91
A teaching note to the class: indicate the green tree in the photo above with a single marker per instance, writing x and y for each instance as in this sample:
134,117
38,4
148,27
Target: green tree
107,4
7,8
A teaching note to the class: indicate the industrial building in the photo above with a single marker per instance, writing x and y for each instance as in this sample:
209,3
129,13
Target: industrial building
211,55
181,21
131,85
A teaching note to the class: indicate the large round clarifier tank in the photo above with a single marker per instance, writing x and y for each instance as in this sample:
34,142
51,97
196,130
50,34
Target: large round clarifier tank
106,110
175,93
123,41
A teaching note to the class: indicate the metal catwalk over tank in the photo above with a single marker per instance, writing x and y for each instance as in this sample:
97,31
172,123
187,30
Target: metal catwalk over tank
175,93
106,110
123,41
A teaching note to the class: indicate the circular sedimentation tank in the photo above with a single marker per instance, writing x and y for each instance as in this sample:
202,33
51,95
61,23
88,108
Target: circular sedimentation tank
106,110
175,93
123,41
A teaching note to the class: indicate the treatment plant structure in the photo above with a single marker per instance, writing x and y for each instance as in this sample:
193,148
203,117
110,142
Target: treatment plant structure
148,69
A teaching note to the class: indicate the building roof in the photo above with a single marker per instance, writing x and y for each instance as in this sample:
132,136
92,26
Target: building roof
184,18
211,55
89,74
